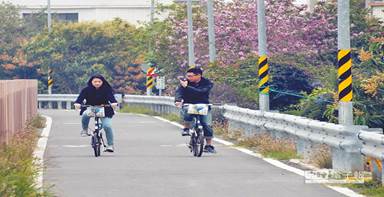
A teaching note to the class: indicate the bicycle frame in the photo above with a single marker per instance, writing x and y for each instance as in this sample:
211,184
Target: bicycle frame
97,138
196,143
97,131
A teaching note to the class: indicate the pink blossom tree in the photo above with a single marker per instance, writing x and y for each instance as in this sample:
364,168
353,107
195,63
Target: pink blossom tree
291,30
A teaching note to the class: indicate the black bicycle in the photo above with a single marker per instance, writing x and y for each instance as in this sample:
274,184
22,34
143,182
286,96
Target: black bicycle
97,139
196,143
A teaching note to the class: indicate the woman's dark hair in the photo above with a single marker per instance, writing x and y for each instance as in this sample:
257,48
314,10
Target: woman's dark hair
105,85
195,70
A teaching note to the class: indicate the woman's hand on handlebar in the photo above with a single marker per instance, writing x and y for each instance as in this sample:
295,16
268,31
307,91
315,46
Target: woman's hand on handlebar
77,106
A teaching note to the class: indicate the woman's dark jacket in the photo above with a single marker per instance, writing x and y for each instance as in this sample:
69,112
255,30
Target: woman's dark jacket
95,96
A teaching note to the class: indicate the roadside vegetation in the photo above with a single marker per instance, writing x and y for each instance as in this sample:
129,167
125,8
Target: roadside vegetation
17,165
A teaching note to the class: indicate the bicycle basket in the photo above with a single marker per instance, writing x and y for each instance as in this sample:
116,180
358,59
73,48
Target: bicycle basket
198,109
95,111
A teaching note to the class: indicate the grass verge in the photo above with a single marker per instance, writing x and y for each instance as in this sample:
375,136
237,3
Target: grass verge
321,156
280,149
138,110
144,110
17,167
369,189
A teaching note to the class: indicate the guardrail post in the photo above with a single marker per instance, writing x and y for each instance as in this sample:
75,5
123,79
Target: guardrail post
39,104
303,148
68,103
346,160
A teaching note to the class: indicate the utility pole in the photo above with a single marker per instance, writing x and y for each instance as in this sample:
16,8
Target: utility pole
344,58
263,60
351,159
152,10
49,16
211,31
50,79
191,52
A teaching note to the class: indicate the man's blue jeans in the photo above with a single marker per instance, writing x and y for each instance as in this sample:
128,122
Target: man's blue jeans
205,121
107,126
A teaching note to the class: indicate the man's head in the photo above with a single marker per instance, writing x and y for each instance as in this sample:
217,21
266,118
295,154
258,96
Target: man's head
194,74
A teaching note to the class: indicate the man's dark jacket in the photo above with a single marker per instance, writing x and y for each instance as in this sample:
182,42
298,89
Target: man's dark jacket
194,93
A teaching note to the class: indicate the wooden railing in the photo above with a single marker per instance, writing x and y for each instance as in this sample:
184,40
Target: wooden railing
18,104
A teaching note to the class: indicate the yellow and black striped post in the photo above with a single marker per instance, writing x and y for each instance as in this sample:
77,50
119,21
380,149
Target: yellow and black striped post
50,81
263,75
345,75
150,80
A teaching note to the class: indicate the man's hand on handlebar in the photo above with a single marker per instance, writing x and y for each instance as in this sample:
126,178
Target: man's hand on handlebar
178,104
114,106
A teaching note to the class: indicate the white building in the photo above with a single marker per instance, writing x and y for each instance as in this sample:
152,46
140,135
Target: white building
377,8
133,11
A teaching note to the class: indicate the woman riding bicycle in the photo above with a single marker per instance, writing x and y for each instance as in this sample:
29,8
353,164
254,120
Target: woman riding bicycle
98,92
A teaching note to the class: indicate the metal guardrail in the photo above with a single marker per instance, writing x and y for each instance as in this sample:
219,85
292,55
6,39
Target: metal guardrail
348,143
372,144
159,104
51,101
61,101
337,136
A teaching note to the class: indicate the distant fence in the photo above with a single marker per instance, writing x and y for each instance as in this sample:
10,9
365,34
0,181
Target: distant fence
18,103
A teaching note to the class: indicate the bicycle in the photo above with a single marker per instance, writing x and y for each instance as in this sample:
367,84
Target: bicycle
197,111
97,139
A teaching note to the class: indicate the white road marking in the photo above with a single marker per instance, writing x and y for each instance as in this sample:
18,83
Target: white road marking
39,151
76,146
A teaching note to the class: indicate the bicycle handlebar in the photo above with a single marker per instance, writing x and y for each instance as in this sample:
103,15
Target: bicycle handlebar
186,104
102,105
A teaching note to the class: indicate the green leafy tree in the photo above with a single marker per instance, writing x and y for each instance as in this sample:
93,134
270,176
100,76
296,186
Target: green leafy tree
77,50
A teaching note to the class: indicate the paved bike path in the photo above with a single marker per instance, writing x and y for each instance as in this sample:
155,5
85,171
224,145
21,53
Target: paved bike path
152,160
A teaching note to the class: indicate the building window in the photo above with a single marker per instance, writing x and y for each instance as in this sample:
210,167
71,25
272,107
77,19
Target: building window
62,17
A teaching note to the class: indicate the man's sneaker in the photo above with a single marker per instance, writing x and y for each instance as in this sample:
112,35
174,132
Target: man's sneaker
109,149
209,149
84,133
185,132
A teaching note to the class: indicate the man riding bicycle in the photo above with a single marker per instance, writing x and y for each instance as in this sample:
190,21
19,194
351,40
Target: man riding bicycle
194,89
98,92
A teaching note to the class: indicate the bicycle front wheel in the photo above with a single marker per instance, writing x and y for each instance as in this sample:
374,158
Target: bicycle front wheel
96,145
198,145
